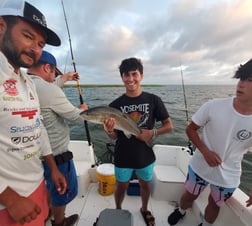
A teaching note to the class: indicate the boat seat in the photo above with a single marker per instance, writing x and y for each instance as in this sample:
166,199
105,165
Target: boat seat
169,174
167,183
81,158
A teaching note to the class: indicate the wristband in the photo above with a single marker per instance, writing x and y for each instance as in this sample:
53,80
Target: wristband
154,133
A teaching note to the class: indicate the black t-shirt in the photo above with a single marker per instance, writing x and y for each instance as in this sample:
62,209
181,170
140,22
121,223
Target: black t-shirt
145,109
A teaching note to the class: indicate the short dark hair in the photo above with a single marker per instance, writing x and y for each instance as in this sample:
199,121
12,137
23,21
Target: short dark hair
10,20
244,71
38,64
131,64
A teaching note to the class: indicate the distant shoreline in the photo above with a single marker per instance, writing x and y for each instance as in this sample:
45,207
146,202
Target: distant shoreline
143,85
104,85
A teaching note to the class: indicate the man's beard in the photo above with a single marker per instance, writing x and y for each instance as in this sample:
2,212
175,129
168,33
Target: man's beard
11,52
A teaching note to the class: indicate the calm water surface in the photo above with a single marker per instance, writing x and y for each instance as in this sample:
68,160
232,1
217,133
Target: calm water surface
173,99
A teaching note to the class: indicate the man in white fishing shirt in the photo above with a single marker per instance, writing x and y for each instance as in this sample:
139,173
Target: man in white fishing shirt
56,110
23,138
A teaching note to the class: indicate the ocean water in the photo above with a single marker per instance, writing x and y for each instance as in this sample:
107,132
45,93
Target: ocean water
174,99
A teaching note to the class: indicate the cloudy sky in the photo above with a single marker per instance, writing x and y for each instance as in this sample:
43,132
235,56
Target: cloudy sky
209,38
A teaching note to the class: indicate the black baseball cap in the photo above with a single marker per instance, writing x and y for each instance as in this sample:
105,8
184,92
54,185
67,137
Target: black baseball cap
29,13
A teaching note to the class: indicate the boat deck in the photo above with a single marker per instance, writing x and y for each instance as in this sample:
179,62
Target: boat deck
93,203
233,213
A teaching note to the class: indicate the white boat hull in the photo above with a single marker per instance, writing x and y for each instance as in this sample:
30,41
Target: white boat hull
167,185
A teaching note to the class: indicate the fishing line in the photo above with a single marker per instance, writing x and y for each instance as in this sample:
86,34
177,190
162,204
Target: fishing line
186,109
79,88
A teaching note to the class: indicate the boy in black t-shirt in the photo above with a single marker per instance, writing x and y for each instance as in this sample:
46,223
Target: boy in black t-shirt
133,154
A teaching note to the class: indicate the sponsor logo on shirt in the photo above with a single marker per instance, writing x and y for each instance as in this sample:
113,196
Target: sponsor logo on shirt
8,98
31,96
25,139
16,149
243,134
26,114
10,87
30,155
25,129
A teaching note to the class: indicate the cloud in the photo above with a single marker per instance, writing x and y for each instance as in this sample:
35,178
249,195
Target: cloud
209,38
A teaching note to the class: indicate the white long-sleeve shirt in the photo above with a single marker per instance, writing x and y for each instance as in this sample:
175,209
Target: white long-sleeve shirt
56,110
23,138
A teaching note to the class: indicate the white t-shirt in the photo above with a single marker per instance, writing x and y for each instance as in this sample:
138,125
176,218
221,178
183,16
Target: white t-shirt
23,138
226,132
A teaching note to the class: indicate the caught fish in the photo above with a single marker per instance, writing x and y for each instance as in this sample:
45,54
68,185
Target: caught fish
123,121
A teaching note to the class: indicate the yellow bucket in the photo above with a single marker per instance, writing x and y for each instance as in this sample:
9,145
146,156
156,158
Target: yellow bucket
106,178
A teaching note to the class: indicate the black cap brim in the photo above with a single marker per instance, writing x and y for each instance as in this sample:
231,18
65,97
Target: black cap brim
51,37
58,72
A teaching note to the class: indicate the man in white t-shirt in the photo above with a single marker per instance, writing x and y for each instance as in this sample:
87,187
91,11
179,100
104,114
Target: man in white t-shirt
226,137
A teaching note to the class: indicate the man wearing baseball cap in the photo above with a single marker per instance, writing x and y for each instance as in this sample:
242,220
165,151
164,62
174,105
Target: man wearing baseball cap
23,138
57,111
30,14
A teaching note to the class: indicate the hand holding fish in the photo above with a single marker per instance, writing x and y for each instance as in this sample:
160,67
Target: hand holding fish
146,135
108,125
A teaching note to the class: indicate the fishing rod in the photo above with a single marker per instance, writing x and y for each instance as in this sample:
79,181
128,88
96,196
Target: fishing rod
71,51
185,102
186,109
79,89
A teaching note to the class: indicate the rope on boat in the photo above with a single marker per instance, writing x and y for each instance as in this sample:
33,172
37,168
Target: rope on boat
186,109
79,91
